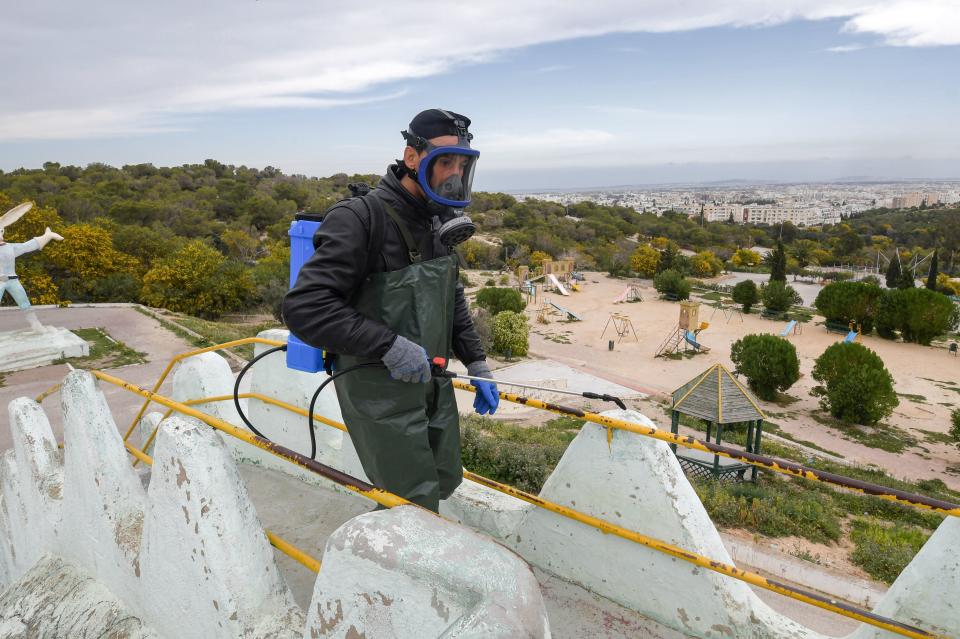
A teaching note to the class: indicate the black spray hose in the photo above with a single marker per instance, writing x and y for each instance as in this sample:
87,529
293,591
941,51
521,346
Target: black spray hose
236,386
316,395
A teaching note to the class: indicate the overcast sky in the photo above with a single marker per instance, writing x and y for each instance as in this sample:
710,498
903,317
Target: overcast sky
561,94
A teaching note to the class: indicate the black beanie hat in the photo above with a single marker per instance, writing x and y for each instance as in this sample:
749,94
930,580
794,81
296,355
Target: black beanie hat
433,123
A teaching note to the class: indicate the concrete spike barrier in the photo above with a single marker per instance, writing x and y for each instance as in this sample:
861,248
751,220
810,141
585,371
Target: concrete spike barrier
55,600
102,494
407,573
636,483
927,592
32,486
204,552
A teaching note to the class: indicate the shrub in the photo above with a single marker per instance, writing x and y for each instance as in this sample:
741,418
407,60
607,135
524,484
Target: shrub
918,313
497,300
504,280
483,324
519,456
844,302
465,279
706,264
645,260
955,425
777,296
770,363
745,257
511,333
856,386
746,293
490,282
884,551
670,282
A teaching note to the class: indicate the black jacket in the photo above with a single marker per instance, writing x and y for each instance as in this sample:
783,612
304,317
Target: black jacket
317,308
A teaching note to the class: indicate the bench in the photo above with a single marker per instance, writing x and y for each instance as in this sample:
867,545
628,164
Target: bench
834,326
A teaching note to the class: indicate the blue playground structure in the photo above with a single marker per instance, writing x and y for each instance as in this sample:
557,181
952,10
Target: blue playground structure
691,338
570,314
851,336
791,325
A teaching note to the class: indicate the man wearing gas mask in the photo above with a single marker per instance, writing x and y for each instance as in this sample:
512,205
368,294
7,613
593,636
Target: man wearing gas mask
383,287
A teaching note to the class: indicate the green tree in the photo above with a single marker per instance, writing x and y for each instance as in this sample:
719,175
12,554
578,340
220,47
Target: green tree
778,264
893,273
645,260
803,252
271,276
934,270
777,296
746,293
770,363
855,385
843,302
198,280
496,300
919,314
667,257
511,333
671,282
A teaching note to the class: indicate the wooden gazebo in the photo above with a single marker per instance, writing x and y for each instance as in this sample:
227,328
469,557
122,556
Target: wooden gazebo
718,399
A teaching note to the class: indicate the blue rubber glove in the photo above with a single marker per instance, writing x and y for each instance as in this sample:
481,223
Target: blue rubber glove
487,398
407,361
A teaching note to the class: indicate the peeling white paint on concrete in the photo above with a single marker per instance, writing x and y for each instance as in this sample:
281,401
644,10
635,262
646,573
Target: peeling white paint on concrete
636,482
927,592
27,348
55,600
103,498
407,573
204,552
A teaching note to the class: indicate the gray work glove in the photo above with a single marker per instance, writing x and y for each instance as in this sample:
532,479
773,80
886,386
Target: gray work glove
407,361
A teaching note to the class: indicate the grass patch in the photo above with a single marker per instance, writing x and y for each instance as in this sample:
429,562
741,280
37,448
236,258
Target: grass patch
783,400
917,399
935,437
771,507
883,551
3,379
881,436
519,456
105,352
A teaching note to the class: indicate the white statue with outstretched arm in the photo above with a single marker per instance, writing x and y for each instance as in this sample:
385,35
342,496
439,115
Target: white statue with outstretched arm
9,252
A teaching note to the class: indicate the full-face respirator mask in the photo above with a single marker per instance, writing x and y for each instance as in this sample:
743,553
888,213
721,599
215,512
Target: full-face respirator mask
445,174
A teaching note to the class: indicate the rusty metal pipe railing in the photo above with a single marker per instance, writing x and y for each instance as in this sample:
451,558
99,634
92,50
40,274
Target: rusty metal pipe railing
793,592
761,461
181,356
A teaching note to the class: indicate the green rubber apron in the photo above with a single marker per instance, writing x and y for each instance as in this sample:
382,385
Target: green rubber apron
407,435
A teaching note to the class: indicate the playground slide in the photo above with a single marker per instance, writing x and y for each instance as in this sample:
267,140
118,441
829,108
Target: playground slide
558,285
623,296
569,313
789,327
851,336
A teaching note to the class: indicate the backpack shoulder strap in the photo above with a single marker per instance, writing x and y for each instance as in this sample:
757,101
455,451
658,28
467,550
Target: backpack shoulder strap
376,235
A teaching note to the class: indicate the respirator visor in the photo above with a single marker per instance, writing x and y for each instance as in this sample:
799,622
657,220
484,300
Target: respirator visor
446,174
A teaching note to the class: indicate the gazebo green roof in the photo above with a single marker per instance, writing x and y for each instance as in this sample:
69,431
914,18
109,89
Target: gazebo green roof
716,395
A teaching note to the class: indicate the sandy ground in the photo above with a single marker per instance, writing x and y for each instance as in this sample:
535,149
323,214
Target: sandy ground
924,373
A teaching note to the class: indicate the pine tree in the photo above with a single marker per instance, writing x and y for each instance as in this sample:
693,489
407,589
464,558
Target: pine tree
778,270
893,273
934,269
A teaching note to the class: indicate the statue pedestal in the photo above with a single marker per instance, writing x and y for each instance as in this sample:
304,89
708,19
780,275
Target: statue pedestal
30,349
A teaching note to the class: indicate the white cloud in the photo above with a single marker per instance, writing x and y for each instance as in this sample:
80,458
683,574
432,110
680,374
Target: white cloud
94,70
846,48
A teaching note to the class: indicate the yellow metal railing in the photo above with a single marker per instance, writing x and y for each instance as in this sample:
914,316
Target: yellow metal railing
390,500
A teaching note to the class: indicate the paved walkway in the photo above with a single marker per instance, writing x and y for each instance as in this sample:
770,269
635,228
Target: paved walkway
123,324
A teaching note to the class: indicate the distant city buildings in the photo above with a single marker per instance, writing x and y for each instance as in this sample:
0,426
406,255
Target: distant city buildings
799,204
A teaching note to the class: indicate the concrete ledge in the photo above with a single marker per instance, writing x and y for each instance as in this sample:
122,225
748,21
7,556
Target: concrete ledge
485,509
30,349
406,573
